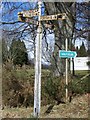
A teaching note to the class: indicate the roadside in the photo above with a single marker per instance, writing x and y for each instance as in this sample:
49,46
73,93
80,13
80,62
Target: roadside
78,108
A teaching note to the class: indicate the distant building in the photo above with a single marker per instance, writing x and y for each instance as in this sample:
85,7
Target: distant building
80,63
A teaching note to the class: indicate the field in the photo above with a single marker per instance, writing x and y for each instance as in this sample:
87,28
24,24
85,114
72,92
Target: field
77,108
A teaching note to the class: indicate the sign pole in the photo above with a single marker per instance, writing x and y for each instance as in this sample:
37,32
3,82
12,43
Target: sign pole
37,84
66,72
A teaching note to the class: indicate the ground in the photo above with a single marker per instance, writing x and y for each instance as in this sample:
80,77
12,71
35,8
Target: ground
78,108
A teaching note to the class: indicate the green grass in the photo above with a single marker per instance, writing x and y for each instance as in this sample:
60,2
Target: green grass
81,72
80,82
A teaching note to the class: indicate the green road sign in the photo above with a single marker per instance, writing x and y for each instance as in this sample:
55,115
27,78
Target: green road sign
67,54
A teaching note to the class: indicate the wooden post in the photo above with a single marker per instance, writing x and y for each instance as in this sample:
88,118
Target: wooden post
66,72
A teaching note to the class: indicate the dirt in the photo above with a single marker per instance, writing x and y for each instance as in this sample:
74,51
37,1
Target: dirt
78,108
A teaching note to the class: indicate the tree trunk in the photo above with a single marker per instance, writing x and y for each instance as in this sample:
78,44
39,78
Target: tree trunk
63,30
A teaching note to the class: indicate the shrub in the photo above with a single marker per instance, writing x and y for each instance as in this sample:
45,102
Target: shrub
55,88
17,88
79,86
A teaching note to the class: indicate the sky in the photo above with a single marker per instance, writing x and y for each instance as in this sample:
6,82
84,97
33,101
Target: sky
78,42
46,0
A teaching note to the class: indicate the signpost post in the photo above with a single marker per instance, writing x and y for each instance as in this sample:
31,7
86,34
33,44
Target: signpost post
26,16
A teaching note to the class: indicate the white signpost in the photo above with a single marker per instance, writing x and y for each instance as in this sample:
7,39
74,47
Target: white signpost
25,16
37,85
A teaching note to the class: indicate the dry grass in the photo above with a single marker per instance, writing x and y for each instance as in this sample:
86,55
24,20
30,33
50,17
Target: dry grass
78,108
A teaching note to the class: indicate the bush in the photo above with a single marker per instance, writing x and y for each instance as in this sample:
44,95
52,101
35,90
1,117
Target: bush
78,86
17,88
55,88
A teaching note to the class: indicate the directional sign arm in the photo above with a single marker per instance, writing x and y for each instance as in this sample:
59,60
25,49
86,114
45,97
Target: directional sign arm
61,16
53,17
27,20
30,13
20,17
25,15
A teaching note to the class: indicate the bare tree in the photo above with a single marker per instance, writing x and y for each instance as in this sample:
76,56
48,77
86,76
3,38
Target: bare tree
63,30
70,29
13,27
